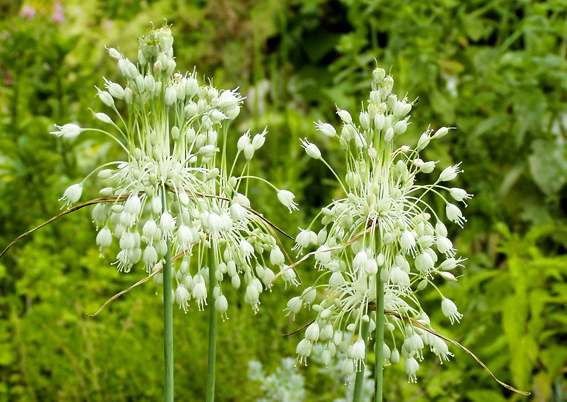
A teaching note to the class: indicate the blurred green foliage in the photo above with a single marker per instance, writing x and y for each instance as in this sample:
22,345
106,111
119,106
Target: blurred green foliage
497,70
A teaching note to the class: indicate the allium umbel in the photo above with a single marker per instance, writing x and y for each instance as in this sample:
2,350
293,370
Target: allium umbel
176,185
383,231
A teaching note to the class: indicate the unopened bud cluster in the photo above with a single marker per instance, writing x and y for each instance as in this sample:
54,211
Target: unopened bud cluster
177,187
382,230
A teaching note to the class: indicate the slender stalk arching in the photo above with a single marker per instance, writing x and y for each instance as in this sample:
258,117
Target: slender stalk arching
167,316
212,327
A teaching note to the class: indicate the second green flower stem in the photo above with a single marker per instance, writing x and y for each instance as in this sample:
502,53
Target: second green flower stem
167,317
379,340
212,327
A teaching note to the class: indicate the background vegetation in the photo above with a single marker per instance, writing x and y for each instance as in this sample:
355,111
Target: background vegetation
497,70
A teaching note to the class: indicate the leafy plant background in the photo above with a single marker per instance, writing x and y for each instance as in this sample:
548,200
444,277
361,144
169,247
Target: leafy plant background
497,70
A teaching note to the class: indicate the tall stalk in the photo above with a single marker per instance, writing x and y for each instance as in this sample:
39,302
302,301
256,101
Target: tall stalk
212,328
167,317
379,340
359,380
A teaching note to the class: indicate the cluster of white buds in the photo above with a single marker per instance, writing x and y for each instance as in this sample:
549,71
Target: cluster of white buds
382,230
177,186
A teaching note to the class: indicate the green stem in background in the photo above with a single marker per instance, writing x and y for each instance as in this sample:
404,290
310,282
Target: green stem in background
212,327
167,317
379,339
357,395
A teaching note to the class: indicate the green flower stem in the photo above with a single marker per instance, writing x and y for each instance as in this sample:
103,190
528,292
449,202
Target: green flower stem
212,328
168,317
379,340
357,395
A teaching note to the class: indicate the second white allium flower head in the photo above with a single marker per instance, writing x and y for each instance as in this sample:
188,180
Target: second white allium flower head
382,230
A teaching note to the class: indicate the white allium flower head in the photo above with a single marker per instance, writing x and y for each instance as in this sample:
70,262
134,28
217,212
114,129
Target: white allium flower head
381,230
173,186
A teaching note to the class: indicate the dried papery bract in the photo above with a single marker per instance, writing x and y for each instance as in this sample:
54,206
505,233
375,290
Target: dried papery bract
382,243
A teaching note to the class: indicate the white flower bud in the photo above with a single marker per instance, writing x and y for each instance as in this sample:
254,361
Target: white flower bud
312,332
399,277
170,66
208,151
401,126
442,132
311,149
344,116
365,120
347,367
371,267
360,260
167,223
68,130
326,129
170,95
133,205
243,141
238,212
336,280
103,117
424,262
104,238
427,167
217,116
259,140
448,276
131,71
423,141
115,54
191,87
276,256
378,75
150,257
395,357
379,121
128,95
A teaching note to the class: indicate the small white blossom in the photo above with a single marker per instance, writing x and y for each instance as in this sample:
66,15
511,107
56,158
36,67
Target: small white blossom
68,130
311,149
72,194
450,173
286,198
450,310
